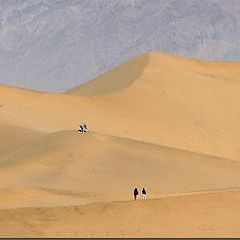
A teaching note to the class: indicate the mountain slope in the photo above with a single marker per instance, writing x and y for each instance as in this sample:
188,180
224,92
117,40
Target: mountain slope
56,45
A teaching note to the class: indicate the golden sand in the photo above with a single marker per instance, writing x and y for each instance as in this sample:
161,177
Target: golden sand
158,121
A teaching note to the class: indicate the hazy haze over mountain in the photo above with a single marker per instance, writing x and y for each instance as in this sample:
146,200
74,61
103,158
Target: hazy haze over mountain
55,45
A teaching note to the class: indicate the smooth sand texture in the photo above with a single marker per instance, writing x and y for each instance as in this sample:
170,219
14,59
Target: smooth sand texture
203,215
167,123
172,102
98,167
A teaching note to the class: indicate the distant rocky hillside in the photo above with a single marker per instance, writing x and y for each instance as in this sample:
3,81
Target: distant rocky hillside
57,44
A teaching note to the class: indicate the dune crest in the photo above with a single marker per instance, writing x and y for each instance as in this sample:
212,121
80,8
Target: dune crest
159,121
201,215
140,67
116,79
66,165
157,98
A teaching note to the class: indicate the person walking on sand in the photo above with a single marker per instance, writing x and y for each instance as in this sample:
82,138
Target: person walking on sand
144,193
135,193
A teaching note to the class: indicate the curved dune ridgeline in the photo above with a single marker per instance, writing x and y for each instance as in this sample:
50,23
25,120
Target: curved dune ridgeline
159,121
157,98
200,215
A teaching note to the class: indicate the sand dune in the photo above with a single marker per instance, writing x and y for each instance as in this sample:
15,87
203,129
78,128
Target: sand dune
80,168
13,136
151,66
166,102
201,215
164,122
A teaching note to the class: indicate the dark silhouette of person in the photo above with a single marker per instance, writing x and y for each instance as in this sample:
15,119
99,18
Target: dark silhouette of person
80,129
135,193
144,193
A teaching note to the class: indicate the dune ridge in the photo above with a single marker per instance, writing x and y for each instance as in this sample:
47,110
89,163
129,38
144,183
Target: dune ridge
202,215
159,121
169,105
67,162
128,73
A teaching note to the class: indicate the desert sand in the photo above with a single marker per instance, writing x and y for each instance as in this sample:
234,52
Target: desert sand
159,121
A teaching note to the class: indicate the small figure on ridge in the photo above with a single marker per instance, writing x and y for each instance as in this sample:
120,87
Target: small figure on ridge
144,193
83,128
135,193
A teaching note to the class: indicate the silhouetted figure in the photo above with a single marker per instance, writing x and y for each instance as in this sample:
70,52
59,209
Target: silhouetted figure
144,193
80,129
135,193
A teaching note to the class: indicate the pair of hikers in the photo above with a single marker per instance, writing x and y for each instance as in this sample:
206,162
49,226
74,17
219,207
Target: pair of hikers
83,128
135,193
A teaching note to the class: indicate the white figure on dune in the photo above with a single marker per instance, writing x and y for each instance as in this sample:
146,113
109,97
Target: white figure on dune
83,128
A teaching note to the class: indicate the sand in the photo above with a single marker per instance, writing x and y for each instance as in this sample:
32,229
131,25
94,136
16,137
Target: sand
159,121
197,215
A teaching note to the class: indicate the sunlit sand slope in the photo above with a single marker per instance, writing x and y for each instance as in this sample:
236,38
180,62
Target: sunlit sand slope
162,122
201,215
153,66
156,98
66,168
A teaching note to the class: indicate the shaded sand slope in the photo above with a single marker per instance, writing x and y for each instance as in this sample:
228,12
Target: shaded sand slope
208,215
178,102
68,168
156,98
116,79
12,136
163,122
124,75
